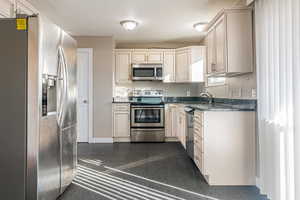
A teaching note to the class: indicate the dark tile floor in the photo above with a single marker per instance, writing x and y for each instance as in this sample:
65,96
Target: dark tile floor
149,171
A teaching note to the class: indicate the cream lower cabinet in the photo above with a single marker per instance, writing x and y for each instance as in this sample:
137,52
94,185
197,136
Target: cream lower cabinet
177,126
121,122
224,147
182,132
171,122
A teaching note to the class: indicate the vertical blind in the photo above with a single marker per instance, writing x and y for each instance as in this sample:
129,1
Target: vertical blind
278,71
22,6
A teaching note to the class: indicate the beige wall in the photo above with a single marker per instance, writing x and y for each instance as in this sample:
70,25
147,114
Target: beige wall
103,89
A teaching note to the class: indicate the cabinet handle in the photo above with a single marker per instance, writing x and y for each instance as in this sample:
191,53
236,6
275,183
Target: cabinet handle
213,67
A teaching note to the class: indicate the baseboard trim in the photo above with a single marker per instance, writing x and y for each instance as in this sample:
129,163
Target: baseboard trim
103,140
257,182
258,185
121,139
171,139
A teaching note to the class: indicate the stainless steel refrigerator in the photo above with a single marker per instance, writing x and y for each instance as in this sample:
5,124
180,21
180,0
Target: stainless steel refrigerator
38,109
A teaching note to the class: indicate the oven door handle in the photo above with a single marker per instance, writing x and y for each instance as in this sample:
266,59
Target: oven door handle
147,106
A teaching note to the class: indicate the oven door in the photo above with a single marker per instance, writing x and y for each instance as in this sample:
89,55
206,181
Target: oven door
147,116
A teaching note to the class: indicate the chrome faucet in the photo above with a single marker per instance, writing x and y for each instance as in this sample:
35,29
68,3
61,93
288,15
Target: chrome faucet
207,95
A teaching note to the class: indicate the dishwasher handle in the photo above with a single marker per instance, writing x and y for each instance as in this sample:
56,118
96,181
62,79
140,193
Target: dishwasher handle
189,110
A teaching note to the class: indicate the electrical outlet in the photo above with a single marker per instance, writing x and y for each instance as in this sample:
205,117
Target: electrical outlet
247,92
188,93
236,92
253,91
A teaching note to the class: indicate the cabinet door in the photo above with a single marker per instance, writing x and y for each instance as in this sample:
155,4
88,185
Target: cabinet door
121,124
182,66
139,57
168,121
239,42
169,67
155,57
211,51
220,42
182,129
174,117
122,69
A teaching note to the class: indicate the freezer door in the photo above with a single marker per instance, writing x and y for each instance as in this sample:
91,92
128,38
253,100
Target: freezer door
13,71
49,159
68,156
50,39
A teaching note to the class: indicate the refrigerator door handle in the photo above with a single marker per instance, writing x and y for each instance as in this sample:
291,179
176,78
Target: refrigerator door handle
62,86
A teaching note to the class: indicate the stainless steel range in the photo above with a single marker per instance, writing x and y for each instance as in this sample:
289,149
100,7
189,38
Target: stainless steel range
147,116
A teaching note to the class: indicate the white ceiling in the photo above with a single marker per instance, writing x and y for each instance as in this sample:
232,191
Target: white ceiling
160,20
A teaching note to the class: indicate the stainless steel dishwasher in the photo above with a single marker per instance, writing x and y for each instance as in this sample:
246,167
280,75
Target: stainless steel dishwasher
190,131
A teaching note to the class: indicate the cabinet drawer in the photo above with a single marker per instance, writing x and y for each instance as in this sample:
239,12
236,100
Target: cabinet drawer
198,128
198,122
198,144
198,148
121,107
198,115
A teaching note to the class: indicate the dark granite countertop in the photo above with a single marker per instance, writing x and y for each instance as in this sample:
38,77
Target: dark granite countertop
222,107
200,103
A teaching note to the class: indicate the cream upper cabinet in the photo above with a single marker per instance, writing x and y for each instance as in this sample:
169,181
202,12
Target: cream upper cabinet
182,66
169,66
191,64
139,56
122,66
230,43
147,56
211,51
121,120
220,41
155,56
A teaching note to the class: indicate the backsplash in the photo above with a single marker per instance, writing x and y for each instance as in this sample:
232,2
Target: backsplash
170,89
240,87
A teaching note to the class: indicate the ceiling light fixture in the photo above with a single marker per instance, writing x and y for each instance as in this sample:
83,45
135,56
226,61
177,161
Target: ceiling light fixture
200,26
129,24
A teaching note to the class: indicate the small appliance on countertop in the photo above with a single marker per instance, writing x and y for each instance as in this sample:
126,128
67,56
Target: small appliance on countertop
147,116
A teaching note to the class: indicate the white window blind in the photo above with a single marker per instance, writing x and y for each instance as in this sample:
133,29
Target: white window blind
8,7
5,8
278,68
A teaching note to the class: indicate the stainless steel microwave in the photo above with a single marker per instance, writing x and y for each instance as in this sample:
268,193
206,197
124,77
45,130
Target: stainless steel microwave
147,72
